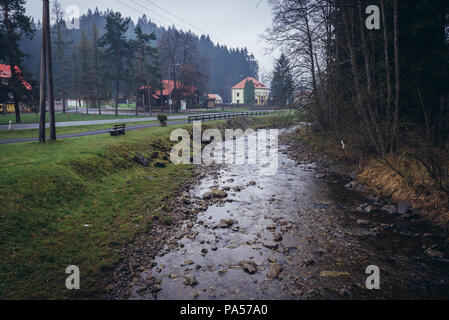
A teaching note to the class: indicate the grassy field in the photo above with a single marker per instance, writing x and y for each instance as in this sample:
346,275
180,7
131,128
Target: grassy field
79,201
61,117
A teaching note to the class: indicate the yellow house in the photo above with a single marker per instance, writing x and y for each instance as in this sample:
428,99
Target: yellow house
262,93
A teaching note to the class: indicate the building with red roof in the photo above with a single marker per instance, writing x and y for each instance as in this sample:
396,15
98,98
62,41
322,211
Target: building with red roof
161,97
262,93
6,96
5,75
217,97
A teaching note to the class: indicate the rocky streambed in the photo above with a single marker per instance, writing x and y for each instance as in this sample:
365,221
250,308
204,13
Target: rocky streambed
303,233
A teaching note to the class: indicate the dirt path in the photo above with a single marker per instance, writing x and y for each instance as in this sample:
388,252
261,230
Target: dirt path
294,235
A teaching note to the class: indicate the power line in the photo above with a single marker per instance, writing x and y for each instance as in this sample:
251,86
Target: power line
140,12
181,19
171,21
145,8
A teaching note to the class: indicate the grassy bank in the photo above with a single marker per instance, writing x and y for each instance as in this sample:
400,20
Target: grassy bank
396,177
79,202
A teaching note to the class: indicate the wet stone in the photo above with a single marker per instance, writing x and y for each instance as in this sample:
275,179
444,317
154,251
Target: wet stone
249,267
363,223
390,209
191,281
434,253
270,245
274,271
208,196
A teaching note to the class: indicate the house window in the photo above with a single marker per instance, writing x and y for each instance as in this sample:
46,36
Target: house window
10,95
238,94
5,81
238,101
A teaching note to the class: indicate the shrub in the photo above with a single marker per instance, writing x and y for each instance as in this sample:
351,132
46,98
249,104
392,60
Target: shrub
162,117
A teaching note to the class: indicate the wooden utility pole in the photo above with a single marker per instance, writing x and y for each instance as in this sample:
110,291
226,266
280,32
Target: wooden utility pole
43,80
46,72
51,94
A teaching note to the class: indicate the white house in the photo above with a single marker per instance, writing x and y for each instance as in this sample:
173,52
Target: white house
262,93
218,99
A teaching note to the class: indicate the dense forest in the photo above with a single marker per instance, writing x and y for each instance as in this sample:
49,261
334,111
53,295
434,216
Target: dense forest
381,90
217,67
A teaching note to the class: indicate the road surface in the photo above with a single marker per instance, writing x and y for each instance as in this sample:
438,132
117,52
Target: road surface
90,133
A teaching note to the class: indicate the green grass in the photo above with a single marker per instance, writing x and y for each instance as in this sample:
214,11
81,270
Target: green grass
60,117
48,193
33,133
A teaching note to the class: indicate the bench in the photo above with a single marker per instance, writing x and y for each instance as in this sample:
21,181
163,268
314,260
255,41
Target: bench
118,129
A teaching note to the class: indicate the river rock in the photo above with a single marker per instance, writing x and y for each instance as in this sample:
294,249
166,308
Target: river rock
390,209
224,224
278,238
363,223
208,196
297,293
140,159
434,253
219,194
404,207
249,267
270,245
320,176
160,165
191,281
274,271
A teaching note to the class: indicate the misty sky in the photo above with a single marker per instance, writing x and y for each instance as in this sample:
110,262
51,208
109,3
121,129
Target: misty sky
236,23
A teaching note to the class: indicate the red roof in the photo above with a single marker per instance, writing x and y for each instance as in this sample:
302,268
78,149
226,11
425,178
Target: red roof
169,86
5,72
257,84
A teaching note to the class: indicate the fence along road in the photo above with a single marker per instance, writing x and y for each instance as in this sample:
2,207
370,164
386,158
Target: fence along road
229,115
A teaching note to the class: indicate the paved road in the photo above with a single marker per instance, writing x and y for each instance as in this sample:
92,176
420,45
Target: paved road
96,122
87,123
90,133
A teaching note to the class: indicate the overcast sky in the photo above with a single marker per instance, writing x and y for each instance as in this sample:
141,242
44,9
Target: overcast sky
236,23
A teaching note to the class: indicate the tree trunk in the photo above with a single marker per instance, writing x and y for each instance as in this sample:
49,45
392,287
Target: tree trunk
369,81
387,64
117,88
397,75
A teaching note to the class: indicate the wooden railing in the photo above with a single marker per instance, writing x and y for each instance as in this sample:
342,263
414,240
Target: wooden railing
228,115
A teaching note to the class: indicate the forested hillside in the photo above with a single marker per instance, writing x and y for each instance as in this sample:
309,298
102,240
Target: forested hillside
221,67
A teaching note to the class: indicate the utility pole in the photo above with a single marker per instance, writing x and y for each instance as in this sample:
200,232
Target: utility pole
43,80
169,91
46,72
51,95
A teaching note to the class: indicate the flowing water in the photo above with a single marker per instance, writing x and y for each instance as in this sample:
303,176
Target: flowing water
304,226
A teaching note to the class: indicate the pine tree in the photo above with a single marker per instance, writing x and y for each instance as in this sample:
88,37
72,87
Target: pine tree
96,71
85,79
116,46
249,93
146,62
60,45
282,83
